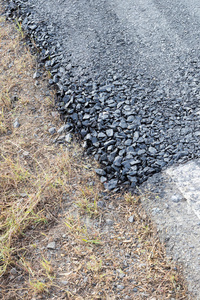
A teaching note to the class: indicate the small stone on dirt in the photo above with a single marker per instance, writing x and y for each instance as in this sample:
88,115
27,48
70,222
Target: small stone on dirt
54,114
111,185
25,153
16,124
100,203
121,275
176,198
68,138
155,211
120,287
131,219
52,130
64,282
103,179
13,271
36,75
62,129
109,222
100,172
23,195
51,246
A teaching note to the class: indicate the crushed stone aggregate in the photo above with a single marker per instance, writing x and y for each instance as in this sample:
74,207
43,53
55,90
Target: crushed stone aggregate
132,122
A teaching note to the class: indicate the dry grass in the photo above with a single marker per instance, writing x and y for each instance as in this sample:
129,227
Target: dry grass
49,193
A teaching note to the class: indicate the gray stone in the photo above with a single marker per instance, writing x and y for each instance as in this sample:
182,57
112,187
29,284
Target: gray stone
64,282
16,124
52,130
86,116
100,203
155,211
109,132
62,129
103,179
26,153
111,185
109,222
176,198
120,287
36,75
101,135
121,275
136,135
117,161
23,195
131,219
152,150
51,246
197,133
134,162
13,271
68,137
142,151
100,172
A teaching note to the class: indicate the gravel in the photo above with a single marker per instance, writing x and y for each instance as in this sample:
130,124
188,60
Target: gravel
133,123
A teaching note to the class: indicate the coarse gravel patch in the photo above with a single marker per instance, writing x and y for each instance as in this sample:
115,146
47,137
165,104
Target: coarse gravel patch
134,123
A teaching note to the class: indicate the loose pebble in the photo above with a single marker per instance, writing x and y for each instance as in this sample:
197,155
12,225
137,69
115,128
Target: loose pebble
51,246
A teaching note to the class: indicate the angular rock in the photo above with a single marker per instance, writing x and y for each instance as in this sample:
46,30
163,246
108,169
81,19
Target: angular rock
131,219
109,132
51,246
100,172
16,124
109,222
111,184
68,138
52,130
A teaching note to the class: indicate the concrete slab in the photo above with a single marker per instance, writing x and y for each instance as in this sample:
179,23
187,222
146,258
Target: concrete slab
173,201
187,180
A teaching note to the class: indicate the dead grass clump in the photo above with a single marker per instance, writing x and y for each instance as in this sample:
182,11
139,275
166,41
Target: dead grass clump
33,175
27,187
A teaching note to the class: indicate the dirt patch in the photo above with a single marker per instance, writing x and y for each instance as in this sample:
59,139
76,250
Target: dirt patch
62,235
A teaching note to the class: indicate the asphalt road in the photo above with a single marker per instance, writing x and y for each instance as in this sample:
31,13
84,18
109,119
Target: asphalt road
153,35
163,29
